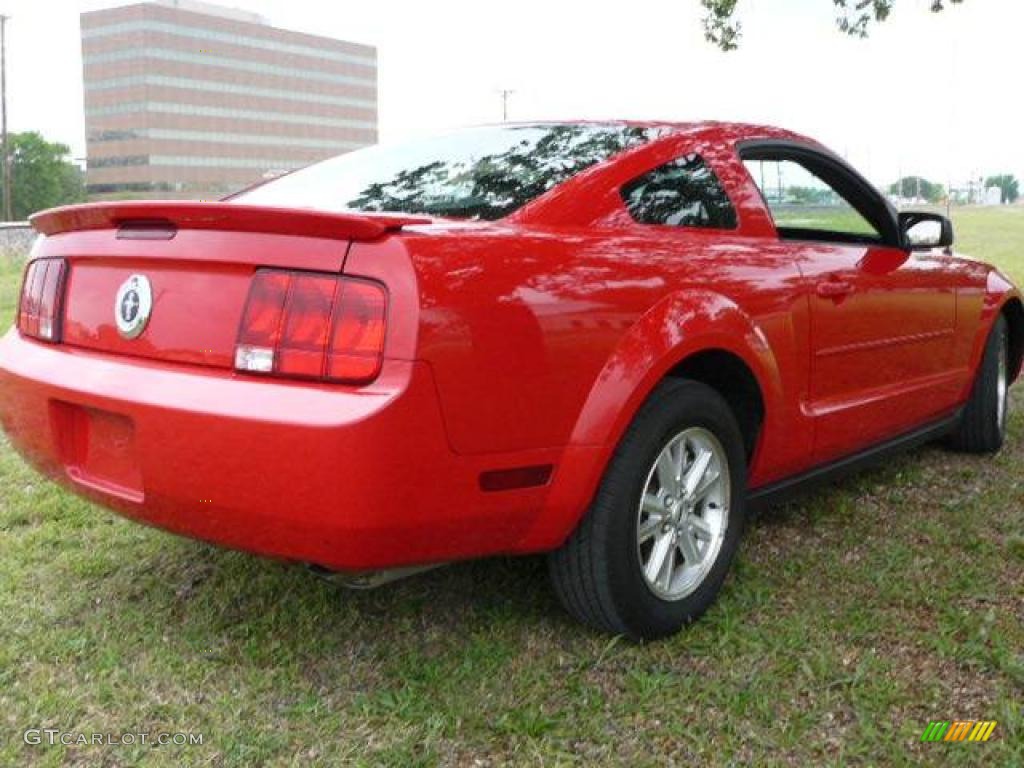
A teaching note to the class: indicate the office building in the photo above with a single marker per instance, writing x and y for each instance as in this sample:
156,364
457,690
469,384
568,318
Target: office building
187,99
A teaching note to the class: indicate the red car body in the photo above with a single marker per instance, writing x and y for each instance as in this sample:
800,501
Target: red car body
517,352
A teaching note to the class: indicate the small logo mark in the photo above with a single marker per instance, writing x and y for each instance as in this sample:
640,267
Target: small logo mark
133,306
959,730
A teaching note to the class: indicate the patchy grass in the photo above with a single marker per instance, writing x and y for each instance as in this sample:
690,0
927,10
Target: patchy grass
852,619
993,234
10,282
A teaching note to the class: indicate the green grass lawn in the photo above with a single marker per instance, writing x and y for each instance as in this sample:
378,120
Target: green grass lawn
993,234
852,619
10,284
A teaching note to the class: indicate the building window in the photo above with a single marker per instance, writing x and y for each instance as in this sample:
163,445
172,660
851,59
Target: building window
189,161
228,38
214,86
220,137
212,60
117,161
237,114
127,135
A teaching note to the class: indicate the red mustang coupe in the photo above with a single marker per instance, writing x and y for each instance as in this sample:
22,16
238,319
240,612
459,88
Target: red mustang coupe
603,341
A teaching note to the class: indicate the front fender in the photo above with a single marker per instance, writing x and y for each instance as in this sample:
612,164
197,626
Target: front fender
679,326
999,292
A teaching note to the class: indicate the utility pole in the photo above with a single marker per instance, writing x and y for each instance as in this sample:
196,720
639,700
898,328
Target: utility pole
504,93
3,119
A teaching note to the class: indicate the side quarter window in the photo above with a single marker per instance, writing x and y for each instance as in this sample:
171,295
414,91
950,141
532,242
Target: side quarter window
681,193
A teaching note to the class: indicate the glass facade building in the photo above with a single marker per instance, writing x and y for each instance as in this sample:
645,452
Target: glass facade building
187,99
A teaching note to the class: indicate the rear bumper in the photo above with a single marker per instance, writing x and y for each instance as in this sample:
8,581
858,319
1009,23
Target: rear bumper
350,479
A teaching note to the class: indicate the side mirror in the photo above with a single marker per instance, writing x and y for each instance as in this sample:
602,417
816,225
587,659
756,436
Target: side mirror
920,231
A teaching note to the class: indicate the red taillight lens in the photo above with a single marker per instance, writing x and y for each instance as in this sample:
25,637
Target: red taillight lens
42,293
307,325
260,331
357,339
310,325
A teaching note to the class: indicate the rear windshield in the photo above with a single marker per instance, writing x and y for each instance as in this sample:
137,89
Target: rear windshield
480,173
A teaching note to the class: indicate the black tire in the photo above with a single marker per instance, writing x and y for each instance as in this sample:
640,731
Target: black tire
982,428
597,574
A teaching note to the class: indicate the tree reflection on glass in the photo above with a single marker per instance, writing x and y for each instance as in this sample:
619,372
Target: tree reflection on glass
682,193
483,173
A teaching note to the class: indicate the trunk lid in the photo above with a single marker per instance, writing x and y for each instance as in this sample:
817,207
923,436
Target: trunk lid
197,259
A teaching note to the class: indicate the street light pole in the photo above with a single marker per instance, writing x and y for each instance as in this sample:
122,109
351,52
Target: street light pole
4,154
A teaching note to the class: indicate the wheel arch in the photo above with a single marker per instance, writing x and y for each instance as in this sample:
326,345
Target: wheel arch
695,334
683,332
1002,299
1013,311
731,377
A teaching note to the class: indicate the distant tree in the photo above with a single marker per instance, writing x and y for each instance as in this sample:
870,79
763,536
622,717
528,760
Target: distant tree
42,176
72,184
853,17
914,186
1008,186
809,195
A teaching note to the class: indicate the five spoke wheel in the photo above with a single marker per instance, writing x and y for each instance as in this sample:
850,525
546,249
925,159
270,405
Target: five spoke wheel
654,549
683,513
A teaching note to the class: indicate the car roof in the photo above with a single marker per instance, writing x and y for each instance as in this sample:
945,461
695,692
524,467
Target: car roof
551,206
713,129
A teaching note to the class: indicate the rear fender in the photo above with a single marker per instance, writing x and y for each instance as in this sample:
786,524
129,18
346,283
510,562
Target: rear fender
681,325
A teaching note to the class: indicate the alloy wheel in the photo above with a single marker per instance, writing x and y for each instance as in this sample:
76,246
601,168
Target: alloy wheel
683,513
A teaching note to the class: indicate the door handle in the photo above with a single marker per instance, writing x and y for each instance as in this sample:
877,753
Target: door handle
834,289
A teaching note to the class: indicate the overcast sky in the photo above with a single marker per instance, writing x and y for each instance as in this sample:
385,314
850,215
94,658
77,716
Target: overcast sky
934,94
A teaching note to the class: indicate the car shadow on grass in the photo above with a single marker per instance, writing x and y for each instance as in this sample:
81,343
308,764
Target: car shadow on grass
223,600
480,595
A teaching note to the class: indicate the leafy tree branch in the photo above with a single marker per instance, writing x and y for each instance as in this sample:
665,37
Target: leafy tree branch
854,17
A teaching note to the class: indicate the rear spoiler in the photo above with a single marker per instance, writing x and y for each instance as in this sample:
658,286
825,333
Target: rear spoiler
169,215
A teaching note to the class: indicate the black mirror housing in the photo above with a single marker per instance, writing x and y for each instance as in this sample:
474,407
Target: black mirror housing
934,230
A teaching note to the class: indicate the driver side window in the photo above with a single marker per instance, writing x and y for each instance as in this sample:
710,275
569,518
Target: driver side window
805,207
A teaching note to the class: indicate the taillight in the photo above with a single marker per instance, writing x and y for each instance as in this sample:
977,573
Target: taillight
42,293
313,326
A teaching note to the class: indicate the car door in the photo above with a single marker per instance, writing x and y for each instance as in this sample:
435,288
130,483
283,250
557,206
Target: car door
882,317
